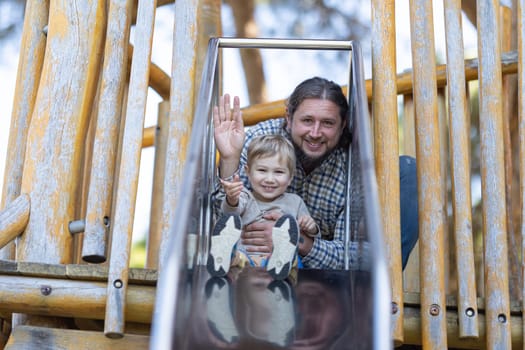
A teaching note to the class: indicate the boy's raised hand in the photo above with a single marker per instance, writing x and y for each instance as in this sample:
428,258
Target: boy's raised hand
228,128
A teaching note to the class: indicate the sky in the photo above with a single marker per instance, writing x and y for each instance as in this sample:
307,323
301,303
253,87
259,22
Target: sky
276,64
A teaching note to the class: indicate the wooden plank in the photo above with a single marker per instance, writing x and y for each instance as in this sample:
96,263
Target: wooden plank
413,330
52,167
386,147
71,298
74,271
30,63
114,76
509,112
30,338
459,135
195,23
521,125
430,182
492,177
13,219
41,270
159,80
129,171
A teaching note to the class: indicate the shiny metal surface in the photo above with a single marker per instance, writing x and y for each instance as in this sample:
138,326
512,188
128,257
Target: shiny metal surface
249,310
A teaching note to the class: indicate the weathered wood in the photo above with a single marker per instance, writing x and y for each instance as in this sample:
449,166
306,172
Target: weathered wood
71,298
155,223
195,23
430,182
159,80
386,145
30,64
413,331
492,177
404,83
54,148
521,125
13,219
30,338
275,109
459,135
98,213
129,171
509,110
74,271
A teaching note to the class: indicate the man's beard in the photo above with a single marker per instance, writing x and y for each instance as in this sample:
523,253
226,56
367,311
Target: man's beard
309,163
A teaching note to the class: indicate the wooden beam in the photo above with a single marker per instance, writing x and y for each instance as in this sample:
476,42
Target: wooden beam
275,109
159,80
13,219
29,338
386,146
429,180
53,163
128,173
105,145
493,177
32,50
70,298
413,331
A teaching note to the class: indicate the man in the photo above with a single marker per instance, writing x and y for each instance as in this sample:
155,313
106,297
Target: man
315,123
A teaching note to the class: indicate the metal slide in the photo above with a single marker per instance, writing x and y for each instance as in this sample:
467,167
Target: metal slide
318,309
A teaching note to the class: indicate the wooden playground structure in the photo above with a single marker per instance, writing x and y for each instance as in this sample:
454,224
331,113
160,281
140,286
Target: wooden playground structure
77,131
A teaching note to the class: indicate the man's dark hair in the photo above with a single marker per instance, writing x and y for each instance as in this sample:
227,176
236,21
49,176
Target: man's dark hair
321,88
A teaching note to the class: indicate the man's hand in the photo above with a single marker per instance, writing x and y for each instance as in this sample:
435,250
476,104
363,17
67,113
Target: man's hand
257,236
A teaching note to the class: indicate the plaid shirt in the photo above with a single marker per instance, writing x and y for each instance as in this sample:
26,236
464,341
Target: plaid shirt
323,191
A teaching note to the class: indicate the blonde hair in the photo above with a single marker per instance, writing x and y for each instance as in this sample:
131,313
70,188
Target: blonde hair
271,145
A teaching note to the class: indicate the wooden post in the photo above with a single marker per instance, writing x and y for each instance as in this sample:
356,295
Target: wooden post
195,23
28,76
459,136
386,147
155,233
493,177
128,172
521,114
98,213
430,183
13,219
509,102
57,132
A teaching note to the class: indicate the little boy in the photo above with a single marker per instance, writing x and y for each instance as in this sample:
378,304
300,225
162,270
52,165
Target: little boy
270,166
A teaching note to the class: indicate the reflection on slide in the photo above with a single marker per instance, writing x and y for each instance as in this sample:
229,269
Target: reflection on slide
247,309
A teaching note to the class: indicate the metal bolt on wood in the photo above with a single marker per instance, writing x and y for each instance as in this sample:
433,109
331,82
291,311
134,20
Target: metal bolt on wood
46,290
76,226
434,310
395,308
